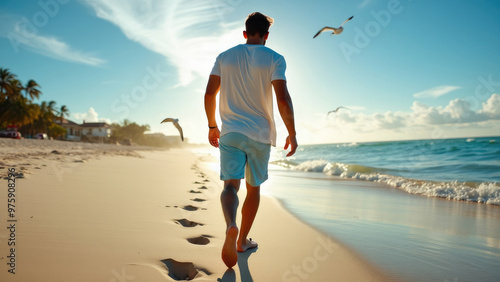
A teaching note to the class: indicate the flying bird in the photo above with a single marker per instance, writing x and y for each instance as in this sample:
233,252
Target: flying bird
335,30
336,110
175,121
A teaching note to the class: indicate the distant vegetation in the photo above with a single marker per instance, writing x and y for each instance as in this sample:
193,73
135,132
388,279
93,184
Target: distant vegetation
132,132
17,107
128,131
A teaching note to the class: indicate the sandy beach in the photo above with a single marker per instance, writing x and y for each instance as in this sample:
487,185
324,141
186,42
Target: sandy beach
115,213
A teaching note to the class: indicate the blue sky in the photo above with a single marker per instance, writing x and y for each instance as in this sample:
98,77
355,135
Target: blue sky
404,69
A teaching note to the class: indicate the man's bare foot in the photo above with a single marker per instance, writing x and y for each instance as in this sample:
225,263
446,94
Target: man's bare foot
229,254
249,244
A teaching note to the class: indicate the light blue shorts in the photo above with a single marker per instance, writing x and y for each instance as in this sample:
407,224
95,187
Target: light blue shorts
242,157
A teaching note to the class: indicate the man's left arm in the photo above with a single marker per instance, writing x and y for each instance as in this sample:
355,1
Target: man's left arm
285,108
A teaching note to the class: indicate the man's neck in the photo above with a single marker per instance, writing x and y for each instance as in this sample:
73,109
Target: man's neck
256,41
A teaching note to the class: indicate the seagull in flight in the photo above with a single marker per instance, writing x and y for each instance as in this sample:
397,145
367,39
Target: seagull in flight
175,121
335,30
336,110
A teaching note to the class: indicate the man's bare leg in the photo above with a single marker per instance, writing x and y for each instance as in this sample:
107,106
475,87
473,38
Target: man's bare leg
229,201
248,212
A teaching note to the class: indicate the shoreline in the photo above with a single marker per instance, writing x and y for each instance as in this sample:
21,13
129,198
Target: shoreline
116,216
413,237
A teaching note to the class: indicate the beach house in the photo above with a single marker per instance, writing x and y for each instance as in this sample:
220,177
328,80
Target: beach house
87,131
73,130
95,131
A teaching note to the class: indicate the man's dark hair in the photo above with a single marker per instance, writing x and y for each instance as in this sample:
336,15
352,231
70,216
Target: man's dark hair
258,23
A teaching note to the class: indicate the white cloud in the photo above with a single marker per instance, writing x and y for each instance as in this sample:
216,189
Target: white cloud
458,111
20,36
390,120
90,116
436,91
491,107
190,34
455,119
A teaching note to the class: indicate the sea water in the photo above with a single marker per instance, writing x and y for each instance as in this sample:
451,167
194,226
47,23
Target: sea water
458,169
423,210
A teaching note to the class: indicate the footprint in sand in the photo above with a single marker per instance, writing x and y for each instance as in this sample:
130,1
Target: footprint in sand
203,188
195,192
187,223
200,240
198,200
183,270
192,208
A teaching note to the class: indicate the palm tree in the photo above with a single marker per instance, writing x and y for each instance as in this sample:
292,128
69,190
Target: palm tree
5,83
63,112
57,130
14,108
51,107
14,89
50,115
31,89
18,112
45,117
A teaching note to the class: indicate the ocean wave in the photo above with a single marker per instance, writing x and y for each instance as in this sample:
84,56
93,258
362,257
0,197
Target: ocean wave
314,166
338,169
488,193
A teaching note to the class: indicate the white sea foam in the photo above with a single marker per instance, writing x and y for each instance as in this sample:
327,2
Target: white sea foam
314,166
488,193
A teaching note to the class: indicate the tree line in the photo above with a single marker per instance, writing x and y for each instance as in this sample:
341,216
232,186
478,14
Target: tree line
136,134
18,107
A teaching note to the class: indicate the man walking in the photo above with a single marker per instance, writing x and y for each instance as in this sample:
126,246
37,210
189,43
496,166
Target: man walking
245,76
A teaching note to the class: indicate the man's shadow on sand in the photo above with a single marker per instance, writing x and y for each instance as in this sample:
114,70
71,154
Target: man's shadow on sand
246,276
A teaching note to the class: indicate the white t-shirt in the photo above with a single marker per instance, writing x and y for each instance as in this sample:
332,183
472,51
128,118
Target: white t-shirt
246,99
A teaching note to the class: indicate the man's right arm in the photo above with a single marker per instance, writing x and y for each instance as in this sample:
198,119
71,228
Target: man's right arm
213,87
285,108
